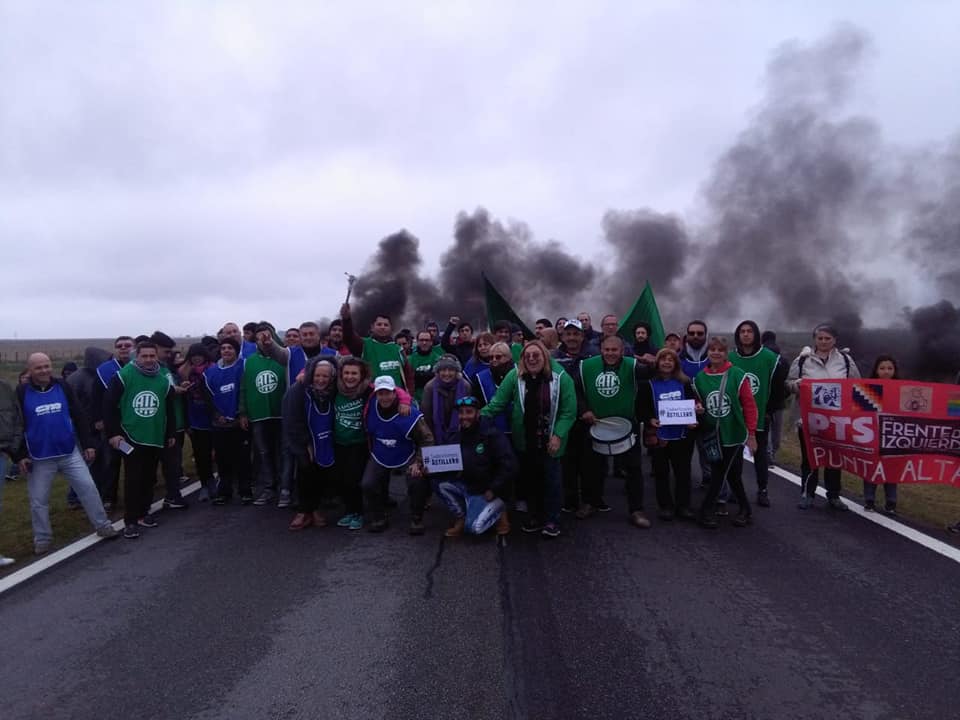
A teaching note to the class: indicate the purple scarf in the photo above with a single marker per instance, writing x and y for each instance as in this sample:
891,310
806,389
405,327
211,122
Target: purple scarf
445,429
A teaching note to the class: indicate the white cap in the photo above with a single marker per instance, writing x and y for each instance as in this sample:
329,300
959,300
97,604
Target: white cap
384,382
574,324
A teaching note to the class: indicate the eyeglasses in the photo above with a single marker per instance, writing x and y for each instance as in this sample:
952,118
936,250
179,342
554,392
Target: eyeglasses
695,333
532,356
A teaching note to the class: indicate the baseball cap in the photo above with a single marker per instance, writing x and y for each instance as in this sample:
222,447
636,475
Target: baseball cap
574,324
384,382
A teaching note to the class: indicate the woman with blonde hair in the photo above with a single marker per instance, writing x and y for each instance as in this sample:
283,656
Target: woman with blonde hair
544,406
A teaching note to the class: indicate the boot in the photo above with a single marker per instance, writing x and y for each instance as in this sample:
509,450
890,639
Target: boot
455,530
319,519
300,521
503,524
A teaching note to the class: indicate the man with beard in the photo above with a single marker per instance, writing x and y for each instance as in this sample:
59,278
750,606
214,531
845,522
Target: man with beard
378,350
572,351
764,370
693,359
541,325
424,356
294,359
434,330
475,495
590,336
335,338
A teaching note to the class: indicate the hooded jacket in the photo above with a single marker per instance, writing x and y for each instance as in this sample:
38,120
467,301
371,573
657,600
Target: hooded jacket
86,386
488,459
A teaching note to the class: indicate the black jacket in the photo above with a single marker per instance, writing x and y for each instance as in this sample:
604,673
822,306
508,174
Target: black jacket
462,351
11,422
87,386
488,459
81,424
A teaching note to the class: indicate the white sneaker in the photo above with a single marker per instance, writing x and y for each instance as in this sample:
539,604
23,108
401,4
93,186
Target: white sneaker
4,561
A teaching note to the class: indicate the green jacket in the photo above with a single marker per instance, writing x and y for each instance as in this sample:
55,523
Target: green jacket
11,422
563,406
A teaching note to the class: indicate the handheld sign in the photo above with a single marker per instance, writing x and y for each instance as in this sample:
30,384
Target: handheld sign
677,412
442,458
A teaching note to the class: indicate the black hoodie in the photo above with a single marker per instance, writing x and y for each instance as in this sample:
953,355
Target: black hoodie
87,387
778,383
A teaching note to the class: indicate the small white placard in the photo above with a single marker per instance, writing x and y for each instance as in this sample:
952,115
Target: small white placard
442,458
677,412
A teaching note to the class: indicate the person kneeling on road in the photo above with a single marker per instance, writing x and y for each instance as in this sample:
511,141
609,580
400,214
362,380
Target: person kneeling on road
489,466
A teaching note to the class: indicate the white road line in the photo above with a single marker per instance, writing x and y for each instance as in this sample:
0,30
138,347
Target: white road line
48,561
931,543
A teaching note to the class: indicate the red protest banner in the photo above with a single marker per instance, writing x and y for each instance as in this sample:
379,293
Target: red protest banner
883,430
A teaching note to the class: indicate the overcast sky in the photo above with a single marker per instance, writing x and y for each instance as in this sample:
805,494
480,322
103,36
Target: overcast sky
177,165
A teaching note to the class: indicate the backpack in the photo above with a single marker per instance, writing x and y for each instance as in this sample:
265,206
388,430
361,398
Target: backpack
803,359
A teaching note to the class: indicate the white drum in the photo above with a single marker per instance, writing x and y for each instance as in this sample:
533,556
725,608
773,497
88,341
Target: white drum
612,436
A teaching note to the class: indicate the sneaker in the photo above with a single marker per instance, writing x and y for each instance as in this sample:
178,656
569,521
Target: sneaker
416,525
357,522
203,495
108,532
955,528
319,519
551,530
805,503
721,510
503,524
175,504
837,504
890,511
184,480
345,520
246,499
220,500
41,548
455,530
4,561
603,507
148,521
639,519
264,498
131,532
284,501
521,506
869,506
763,499
377,526
586,510
569,508
301,521
742,519
531,525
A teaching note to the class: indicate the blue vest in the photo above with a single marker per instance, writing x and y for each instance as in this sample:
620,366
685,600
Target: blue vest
321,430
692,367
391,445
107,370
298,361
49,430
198,413
473,368
488,388
224,385
668,390
247,349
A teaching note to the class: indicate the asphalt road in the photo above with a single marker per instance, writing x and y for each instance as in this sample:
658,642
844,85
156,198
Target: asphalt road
223,613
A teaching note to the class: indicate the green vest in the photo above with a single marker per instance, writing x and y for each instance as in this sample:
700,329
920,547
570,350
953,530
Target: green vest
384,359
728,412
610,393
262,387
516,349
143,406
423,364
759,369
348,420
178,410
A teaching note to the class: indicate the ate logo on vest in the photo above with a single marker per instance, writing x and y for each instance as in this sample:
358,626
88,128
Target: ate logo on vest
718,406
754,382
146,404
607,384
266,382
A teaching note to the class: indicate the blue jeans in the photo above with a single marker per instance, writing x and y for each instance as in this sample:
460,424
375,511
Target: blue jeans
267,447
479,515
40,482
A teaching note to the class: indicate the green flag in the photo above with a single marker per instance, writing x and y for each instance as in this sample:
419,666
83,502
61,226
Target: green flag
643,310
499,309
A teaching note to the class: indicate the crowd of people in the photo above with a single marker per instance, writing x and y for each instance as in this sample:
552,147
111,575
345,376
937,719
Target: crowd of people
324,415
